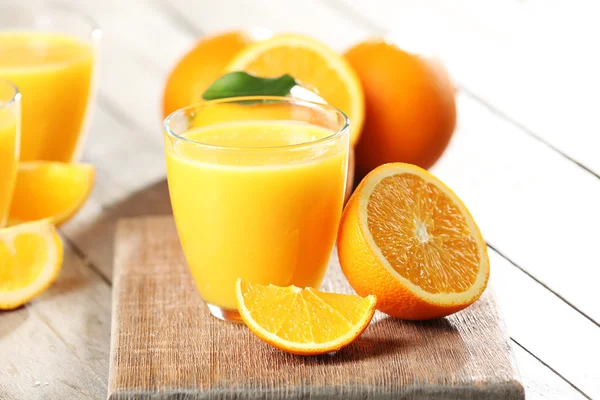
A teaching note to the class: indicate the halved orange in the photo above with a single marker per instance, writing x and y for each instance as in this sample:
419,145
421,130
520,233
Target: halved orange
52,190
314,64
408,239
303,321
31,256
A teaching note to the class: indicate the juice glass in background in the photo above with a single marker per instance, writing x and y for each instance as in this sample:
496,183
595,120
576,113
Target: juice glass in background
10,124
49,52
257,186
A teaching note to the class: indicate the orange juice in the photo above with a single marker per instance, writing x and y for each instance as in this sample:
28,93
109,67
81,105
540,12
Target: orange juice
8,159
54,74
254,206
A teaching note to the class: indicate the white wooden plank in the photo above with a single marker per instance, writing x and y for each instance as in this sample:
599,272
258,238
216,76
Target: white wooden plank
126,158
77,309
127,161
531,204
139,27
290,16
308,17
540,382
56,347
512,55
132,88
137,51
530,311
94,233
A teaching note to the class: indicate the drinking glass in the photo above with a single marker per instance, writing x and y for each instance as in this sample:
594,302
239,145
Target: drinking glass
10,128
49,52
257,187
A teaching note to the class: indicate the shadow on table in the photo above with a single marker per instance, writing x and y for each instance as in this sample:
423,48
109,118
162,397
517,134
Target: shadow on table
401,352
417,342
96,237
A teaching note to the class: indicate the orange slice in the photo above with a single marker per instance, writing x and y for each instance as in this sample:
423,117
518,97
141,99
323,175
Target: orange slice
313,63
303,321
50,190
31,256
408,239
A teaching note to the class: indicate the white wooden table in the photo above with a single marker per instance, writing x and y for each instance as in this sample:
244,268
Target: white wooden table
525,158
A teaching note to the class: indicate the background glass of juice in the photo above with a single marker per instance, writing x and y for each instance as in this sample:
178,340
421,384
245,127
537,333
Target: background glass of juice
10,126
257,186
49,52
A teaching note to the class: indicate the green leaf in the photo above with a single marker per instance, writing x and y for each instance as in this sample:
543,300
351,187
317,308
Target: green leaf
236,84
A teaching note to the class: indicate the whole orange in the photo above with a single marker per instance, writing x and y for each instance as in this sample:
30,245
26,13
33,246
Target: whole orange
200,67
410,106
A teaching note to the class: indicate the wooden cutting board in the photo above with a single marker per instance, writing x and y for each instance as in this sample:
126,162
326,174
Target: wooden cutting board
165,345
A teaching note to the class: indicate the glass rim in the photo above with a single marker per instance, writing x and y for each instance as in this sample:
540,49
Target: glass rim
16,94
334,135
95,31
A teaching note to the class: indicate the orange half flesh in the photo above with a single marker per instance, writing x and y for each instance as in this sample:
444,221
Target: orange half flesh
408,239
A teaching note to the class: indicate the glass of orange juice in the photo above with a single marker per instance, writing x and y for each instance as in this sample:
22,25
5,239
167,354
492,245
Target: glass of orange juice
10,124
257,186
49,52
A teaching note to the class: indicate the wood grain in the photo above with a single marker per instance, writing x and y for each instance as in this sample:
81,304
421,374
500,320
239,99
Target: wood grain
541,383
56,347
164,342
531,314
126,172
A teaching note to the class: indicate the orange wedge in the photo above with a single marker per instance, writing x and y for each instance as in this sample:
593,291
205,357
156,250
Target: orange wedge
31,256
313,63
303,321
408,239
50,190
